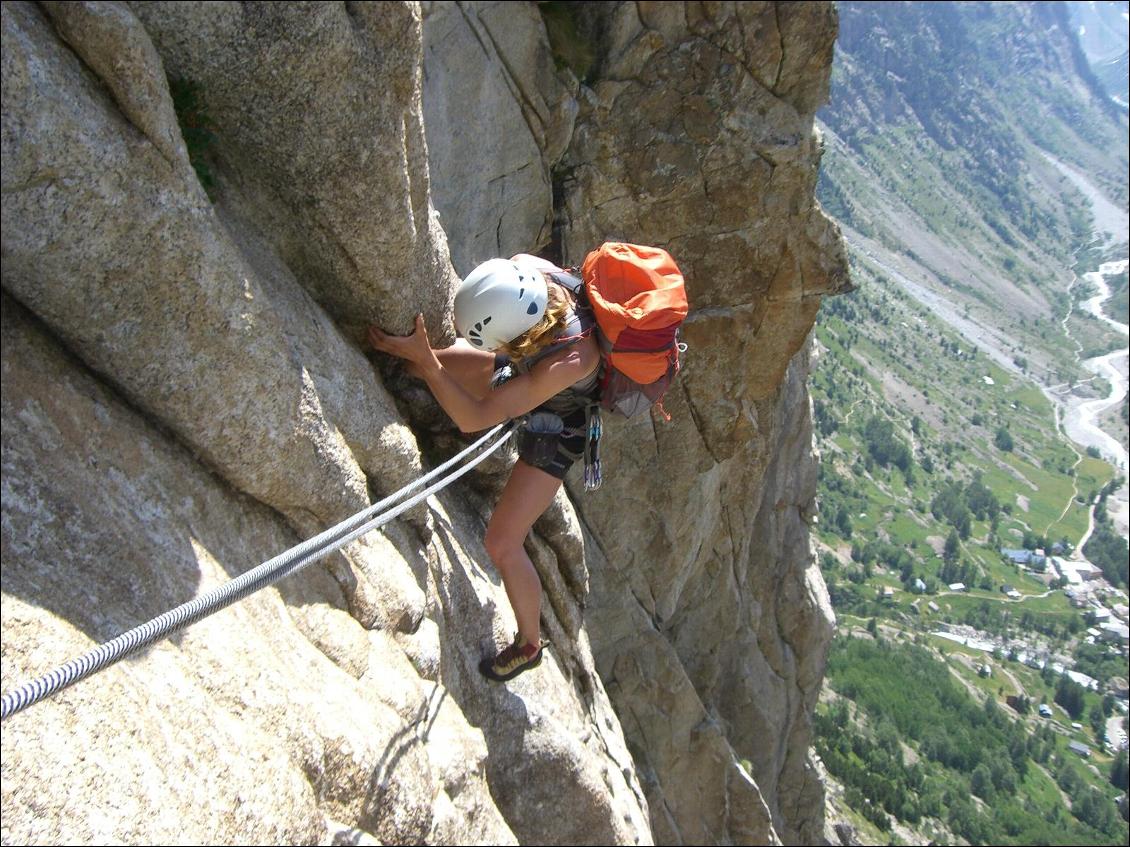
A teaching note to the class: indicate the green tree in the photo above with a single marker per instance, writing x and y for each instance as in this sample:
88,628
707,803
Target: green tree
884,447
1098,722
1004,776
980,500
953,547
981,782
1003,440
1070,695
1120,771
1108,550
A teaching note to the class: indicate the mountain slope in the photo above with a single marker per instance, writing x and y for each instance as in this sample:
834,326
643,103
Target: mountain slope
940,127
1101,26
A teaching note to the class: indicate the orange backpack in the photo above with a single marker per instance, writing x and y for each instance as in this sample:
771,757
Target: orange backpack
639,301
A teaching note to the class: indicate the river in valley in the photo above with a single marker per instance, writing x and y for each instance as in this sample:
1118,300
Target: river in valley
1077,417
1081,416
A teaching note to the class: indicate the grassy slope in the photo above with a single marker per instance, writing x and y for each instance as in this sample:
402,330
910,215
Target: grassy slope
873,352
875,346
1118,306
1033,810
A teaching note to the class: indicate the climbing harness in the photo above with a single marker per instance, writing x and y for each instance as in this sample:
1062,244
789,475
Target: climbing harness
271,571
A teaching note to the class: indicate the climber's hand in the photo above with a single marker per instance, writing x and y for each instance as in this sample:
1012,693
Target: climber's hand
415,348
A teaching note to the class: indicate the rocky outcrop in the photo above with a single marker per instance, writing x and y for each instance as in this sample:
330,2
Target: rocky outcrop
268,723
707,616
191,359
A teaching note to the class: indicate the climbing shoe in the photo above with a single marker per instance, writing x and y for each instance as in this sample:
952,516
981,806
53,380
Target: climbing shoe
511,661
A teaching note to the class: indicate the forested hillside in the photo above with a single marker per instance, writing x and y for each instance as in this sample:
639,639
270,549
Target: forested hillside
942,129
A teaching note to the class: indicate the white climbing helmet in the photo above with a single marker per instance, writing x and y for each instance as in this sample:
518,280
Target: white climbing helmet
498,301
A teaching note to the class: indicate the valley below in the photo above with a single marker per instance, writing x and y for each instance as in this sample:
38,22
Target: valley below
1079,416
970,406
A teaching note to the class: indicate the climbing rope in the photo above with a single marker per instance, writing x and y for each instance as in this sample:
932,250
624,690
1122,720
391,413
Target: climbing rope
269,572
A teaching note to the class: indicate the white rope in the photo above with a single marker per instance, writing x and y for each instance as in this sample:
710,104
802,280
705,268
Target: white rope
269,572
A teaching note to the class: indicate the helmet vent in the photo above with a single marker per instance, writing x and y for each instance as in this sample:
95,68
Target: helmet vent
532,309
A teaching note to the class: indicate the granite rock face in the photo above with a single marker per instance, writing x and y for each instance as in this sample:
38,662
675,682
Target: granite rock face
185,394
317,110
499,116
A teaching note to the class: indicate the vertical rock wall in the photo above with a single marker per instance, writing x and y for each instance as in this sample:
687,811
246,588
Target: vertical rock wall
708,619
500,116
185,395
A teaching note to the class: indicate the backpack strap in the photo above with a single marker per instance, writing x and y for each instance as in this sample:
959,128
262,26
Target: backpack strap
583,313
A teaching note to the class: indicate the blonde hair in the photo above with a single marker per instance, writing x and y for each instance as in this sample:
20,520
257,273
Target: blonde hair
544,332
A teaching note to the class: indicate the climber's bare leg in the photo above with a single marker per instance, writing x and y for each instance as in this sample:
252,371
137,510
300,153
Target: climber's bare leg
526,496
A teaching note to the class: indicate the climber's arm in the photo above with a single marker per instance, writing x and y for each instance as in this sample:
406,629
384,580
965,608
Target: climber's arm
514,398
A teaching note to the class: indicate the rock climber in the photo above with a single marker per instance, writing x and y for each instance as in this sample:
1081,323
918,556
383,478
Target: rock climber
526,346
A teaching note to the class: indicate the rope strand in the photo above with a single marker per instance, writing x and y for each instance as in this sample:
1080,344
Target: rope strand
274,569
